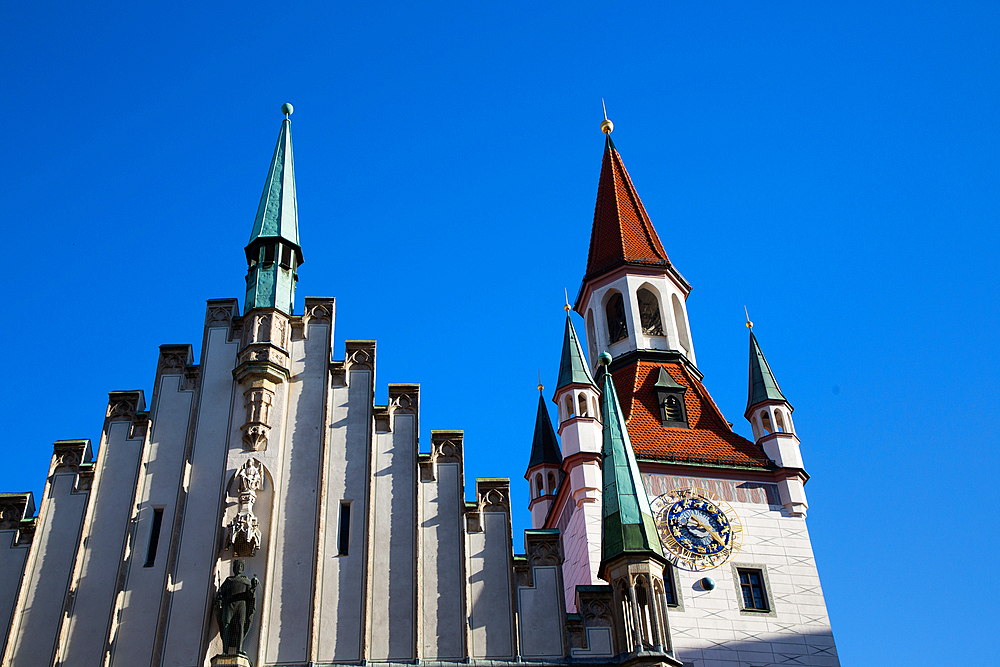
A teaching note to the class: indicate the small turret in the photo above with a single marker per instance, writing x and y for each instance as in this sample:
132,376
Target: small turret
770,416
273,252
544,467
632,558
580,431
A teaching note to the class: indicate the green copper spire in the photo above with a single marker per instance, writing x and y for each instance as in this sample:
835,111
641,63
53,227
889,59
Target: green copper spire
763,386
573,366
544,446
627,525
273,253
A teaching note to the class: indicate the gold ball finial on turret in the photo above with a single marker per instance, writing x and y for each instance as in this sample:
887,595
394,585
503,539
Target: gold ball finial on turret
607,127
540,387
749,323
567,307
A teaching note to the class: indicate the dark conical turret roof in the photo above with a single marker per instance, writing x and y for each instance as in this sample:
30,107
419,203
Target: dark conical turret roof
573,365
544,446
762,385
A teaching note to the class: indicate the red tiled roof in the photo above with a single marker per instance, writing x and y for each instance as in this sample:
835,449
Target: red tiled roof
708,438
622,232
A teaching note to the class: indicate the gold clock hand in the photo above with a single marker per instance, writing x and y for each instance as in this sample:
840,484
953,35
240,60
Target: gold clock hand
707,528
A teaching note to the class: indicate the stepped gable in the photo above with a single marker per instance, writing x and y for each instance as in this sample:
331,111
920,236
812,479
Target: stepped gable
708,438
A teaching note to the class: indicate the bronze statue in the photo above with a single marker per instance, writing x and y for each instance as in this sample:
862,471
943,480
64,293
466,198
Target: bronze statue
234,607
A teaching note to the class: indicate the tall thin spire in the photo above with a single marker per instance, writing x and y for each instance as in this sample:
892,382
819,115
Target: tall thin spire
273,252
573,365
277,214
762,385
628,526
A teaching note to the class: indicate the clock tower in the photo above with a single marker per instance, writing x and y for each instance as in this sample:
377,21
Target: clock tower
740,582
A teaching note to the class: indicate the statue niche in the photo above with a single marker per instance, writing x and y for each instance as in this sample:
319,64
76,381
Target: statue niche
235,602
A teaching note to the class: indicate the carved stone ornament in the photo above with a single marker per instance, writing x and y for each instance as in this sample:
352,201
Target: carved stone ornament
359,359
172,363
596,612
10,516
403,404
493,500
122,410
68,458
544,553
320,313
244,532
257,426
446,450
219,316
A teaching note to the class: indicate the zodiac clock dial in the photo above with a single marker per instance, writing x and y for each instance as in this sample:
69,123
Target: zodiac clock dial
698,530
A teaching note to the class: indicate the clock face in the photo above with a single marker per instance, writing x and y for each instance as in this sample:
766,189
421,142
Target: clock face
698,530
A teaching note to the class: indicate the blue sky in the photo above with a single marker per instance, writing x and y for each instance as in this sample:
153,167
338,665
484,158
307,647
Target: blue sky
832,166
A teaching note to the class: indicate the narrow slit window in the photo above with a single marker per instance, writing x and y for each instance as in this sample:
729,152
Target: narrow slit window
344,537
669,590
269,253
154,537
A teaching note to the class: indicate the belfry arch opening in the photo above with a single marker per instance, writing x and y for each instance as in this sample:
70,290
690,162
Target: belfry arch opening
765,422
682,332
779,422
615,310
649,312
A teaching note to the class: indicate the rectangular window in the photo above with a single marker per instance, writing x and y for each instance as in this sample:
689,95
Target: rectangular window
344,537
269,253
754,592
286,255
669,586
154,537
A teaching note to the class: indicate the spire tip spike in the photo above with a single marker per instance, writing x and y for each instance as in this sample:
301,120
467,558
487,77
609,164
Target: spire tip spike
749,323
607,127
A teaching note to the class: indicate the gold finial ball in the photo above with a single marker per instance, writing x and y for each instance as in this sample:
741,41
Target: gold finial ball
749,324
566,308
287,109
540,387
607,127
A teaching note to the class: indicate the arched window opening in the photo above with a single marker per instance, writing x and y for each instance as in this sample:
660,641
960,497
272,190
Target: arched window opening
649,313
682,331
765,421
583,406
552,483
597,410
779,423
569,406
672,409
591,336
540,490
627,615
616,318
645,614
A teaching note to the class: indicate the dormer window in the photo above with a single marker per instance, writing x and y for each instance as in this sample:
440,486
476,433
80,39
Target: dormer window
670,398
